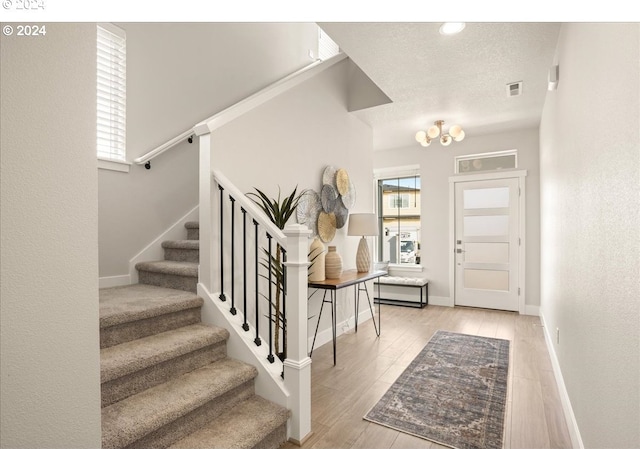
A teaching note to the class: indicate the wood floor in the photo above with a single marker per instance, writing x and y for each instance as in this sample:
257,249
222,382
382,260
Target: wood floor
367,366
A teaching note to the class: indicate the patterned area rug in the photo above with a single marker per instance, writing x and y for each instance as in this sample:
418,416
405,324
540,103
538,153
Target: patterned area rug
453,393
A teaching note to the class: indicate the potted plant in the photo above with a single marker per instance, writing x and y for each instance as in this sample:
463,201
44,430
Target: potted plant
279,212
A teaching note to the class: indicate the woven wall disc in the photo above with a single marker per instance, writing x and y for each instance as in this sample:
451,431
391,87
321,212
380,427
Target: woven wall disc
309,207
326,226
328,197
349,198
342,181
341,213
329,175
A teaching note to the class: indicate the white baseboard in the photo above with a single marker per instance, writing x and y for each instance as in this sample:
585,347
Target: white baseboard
114,281
154,250
325,336
532,310
572,424
440,301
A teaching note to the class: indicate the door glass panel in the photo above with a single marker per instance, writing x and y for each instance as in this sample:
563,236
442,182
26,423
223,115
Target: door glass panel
486,198
486,225
486,252
486,279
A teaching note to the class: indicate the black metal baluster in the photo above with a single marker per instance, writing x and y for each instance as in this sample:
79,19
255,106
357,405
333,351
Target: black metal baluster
222,297
257,340
270,357
233,257
245,325
284,309
284,306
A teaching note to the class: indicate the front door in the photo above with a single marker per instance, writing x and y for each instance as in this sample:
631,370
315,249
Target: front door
487,244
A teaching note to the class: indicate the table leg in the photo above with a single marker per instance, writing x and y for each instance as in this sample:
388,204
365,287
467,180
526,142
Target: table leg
318,324
333,322
373,318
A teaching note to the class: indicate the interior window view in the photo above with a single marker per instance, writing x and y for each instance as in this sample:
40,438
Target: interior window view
399,206
341,234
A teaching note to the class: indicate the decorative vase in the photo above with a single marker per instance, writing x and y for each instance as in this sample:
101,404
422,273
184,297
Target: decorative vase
333,264
316,258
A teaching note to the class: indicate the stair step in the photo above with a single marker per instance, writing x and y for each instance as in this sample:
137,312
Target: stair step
182,250
131,367
164,414
193,230
169,274
136,311
255,423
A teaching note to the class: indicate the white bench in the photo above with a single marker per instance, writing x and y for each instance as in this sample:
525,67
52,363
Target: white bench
422,284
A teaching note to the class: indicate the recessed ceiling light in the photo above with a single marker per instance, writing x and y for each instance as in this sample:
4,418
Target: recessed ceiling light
451,27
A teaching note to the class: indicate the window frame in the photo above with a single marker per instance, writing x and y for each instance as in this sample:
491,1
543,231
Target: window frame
412,172
111,98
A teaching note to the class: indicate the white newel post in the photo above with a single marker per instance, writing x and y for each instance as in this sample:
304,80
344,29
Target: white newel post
297,365
205,269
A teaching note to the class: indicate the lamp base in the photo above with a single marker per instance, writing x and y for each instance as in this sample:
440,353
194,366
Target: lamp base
363,260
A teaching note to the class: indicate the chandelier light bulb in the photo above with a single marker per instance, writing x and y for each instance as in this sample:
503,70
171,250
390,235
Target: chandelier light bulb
454,131
445,140
421,136
433,132
426,142
460,136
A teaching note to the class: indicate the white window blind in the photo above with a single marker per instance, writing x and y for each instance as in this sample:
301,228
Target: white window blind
111,135
326,46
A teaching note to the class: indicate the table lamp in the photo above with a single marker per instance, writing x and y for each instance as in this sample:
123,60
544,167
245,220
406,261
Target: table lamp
363,225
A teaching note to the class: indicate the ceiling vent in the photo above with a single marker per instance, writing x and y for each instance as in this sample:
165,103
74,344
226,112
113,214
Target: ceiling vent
514,89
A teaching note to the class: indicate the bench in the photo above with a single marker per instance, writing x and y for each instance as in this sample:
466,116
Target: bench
422,284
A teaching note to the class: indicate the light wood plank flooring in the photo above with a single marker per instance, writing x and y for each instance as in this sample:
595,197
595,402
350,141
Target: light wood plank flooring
367,366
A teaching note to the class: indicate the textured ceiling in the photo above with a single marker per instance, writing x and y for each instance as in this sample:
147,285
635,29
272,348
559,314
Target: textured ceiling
460,79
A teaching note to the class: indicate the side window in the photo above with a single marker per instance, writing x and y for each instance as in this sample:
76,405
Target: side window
399,217
111,87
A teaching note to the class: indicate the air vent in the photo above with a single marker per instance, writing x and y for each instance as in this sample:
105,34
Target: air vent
514,89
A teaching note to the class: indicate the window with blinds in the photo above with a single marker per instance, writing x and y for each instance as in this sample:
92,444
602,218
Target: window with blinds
326,46
111,93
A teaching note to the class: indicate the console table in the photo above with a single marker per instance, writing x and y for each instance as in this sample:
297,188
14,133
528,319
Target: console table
331,286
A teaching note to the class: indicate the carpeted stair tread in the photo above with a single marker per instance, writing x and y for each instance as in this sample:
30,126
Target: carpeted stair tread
189,269
192,225
132,418
140,301
126,358
243,427
181,244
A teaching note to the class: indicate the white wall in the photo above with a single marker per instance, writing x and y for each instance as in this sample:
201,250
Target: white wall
289,141
590,172
178,75
436,166
49,363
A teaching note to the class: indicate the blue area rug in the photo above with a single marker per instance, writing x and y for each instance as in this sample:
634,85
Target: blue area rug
453,393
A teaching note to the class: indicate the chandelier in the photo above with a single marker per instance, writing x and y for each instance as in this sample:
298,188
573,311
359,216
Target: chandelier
455,133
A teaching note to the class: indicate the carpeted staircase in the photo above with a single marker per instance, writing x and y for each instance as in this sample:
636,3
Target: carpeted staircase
166,379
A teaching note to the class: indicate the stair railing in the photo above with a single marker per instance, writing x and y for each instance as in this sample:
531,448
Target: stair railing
244,265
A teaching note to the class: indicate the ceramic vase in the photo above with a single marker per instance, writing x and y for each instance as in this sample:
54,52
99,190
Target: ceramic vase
316,258
333,264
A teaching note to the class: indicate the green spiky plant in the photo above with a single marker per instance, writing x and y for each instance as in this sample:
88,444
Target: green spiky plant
279,212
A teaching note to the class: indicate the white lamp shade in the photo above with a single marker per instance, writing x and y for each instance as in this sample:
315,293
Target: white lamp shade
426,142
421,136
362,224
445,140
